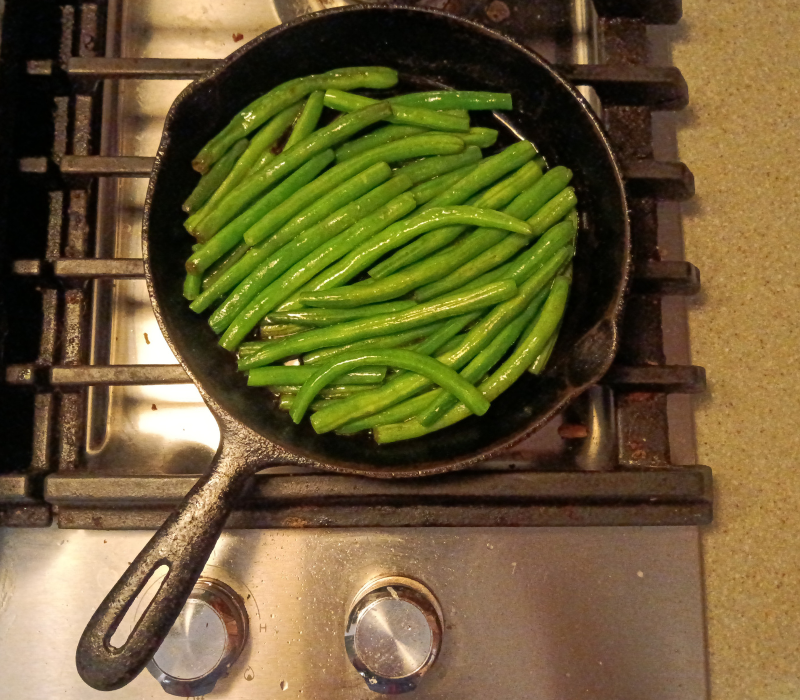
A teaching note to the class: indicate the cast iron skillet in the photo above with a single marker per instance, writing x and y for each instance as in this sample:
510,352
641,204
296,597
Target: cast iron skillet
428,48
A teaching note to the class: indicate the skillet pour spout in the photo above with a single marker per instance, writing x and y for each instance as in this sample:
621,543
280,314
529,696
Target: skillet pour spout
428,48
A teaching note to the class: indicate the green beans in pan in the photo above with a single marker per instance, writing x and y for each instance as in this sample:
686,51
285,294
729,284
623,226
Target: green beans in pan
213,179
358,185
555,210
501,379
394,414
192,285
395,236
351,297
288,161
378,137
421,315
260,147
401,114
404,359
489,170
328,317
386,341
336,391
485,359
426,191
424,145
253,299
427,168
444,262
231,235
307,122
281,97
478,337
271,376
479,136
282,294
456,99
543,358
272,331
527,205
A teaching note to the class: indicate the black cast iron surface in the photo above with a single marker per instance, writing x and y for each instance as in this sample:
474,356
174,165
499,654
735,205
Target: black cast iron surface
435,49
427,48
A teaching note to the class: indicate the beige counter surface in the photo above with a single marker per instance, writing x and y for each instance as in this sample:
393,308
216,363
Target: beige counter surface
741,138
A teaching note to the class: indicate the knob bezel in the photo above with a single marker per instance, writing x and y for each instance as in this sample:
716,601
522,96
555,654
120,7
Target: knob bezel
408,590
231,609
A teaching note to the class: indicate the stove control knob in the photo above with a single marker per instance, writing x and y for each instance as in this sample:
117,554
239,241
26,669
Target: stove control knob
205,640
393,633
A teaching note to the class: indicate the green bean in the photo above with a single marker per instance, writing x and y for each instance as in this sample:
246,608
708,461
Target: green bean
479,136
485,359
426,191
382,135
426,144
340,196
447,332
394,414
390,323
427,168
540,161
272,331
445,261
478,337
555,210
401,114
487,172
397,285
291,159
233,232
385,341
225,263
281,374
501,379
307,122
455,99
261,143
548,246
279,98
339,391
254,297
542,358
214,178
327,317
527,205
250,347
192,284
492,276
404,359
285,403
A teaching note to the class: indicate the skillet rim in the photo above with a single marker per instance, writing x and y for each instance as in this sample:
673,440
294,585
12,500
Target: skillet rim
273,452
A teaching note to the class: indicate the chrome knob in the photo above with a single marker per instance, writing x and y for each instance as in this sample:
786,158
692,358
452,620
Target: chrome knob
393,633
205,640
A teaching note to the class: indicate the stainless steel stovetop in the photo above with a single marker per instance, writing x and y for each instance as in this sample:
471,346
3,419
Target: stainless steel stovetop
533,613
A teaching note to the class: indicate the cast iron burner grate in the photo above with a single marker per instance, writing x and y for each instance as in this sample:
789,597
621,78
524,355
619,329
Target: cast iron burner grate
616,467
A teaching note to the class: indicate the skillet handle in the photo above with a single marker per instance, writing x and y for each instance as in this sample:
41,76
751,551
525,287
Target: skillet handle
184,543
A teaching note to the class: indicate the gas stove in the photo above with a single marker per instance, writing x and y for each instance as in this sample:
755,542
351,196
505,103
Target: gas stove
454,584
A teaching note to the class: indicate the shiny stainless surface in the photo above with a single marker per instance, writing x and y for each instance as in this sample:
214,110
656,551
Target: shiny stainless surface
205,641
393,633
530,614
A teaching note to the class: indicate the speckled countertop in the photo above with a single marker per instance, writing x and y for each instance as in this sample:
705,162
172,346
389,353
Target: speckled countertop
741,138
